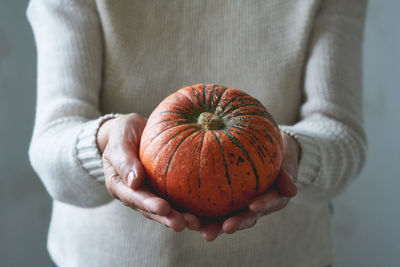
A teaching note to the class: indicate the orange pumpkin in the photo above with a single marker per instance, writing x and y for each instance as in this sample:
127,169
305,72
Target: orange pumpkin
209,149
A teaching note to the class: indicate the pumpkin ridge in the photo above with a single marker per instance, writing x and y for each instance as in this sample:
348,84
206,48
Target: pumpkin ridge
239,145
187,109
201,151
225,164
190,100
258,149
197,95
212,97
205,97
195,150
175,135
220,97
255,137
253,113
257,125
167,120
172,155
230,101
189,117
266,115
226,112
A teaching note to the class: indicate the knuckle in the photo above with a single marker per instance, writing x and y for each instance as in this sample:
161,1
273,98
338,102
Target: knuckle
115,179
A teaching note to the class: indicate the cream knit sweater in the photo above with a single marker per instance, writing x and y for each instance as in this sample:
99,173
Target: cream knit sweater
301,59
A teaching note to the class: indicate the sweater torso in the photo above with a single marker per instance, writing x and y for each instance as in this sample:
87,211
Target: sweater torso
154,48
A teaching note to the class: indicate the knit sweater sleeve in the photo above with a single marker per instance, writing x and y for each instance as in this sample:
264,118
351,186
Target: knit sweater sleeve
330,130
63,149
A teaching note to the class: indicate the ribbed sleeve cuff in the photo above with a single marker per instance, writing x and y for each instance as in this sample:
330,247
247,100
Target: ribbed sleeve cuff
310,157
87,150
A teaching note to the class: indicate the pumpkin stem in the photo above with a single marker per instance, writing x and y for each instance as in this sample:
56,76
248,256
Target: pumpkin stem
210,121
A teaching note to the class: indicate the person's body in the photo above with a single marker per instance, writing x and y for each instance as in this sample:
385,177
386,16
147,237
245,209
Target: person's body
301,59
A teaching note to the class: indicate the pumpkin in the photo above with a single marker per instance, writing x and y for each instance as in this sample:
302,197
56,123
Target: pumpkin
209,149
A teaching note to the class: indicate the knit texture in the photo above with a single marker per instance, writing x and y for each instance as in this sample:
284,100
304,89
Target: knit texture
301,59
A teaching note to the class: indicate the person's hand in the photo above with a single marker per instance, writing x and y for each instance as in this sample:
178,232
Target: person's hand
273,200
118,140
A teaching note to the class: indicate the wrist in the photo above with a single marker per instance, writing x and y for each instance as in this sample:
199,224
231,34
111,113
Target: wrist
297,146
295,143
103,134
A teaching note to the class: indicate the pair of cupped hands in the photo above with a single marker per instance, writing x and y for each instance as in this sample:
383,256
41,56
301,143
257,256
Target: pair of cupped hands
118,140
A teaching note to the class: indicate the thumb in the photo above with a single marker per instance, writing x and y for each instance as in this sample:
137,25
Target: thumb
124,159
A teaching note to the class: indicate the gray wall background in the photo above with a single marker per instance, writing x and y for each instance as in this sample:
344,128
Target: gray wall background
367,216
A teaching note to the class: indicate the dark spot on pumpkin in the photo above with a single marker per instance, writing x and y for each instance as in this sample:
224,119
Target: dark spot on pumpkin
208,199
274,155
248,173
232,203
240,160
231,155
231,161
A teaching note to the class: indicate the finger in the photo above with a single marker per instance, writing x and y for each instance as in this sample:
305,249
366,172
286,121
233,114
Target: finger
285,184
173,220
239,221
141,199
268,203
122,155
193,223
211,231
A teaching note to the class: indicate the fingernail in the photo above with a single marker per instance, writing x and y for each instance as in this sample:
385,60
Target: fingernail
131,176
